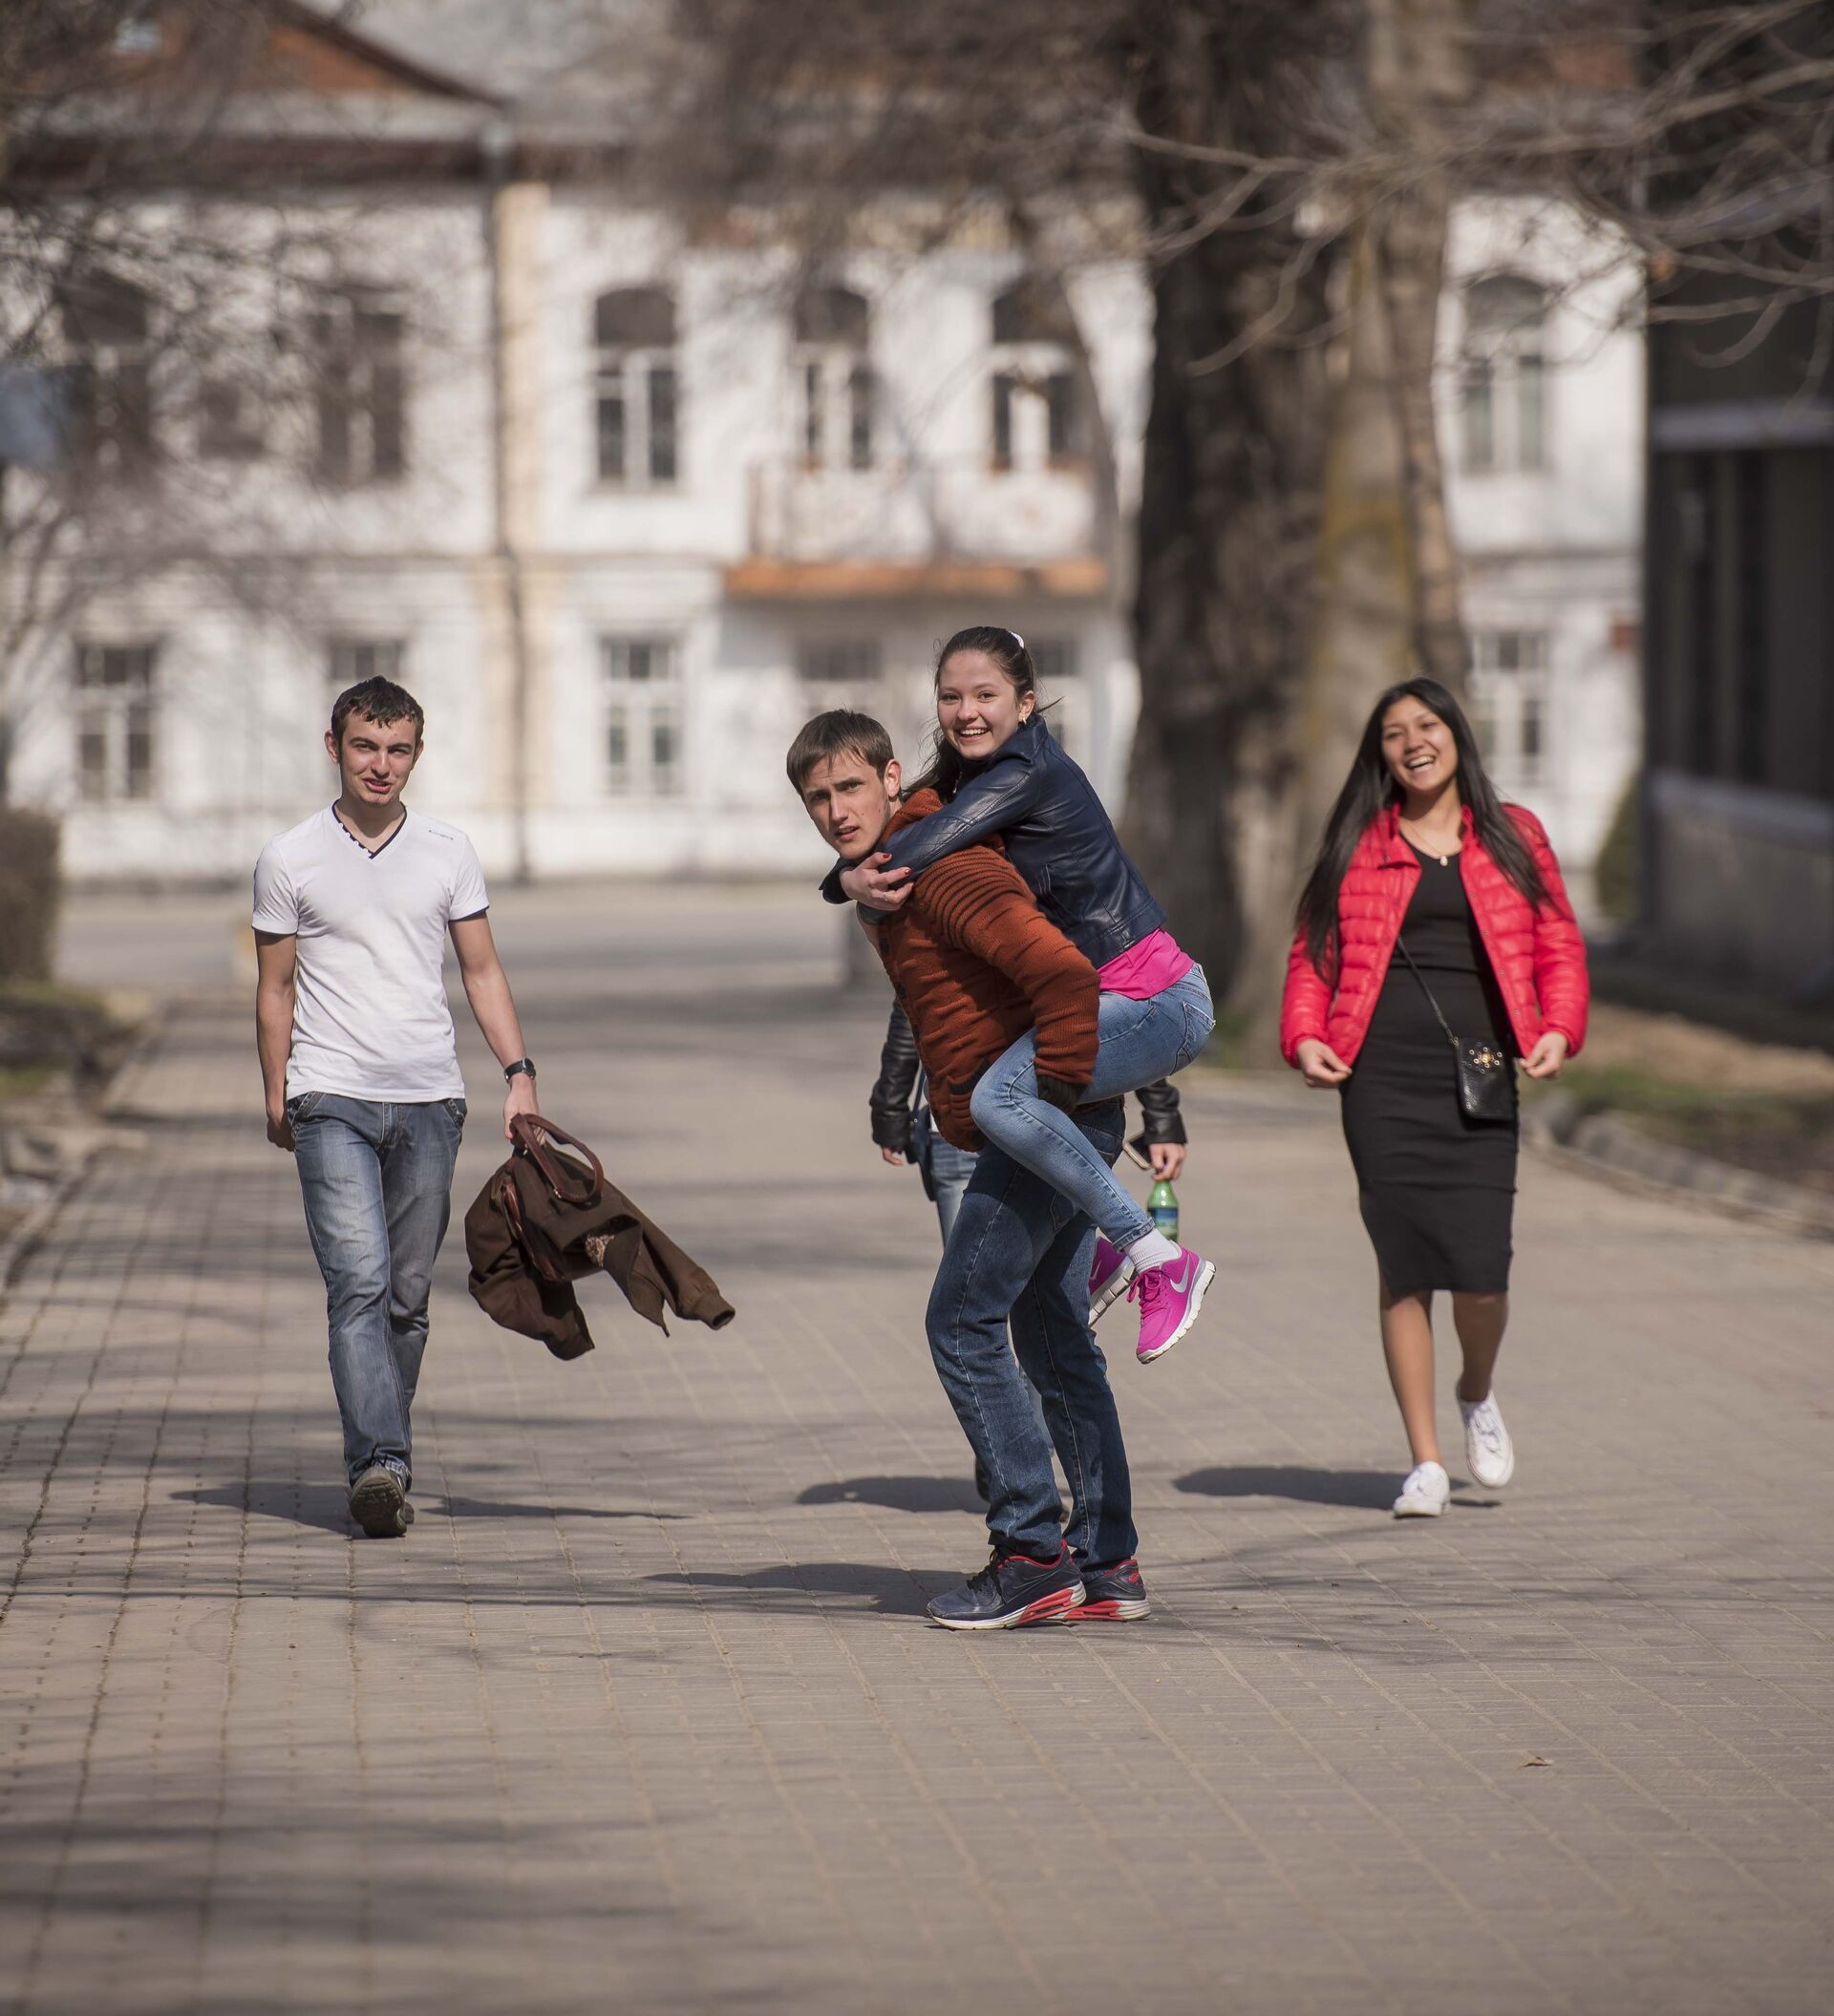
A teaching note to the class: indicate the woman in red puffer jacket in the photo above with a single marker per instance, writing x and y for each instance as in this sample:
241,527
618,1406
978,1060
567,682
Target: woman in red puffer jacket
1432,914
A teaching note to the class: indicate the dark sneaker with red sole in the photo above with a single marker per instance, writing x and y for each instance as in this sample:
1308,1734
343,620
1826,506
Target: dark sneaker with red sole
1012,1589
1113,1595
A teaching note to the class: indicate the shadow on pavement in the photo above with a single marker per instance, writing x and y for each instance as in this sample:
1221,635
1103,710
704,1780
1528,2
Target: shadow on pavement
324,1507
500,1509
888,1591
1371,1489
897,1494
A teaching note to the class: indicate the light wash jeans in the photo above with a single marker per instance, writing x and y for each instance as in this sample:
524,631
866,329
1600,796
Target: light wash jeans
1019,1251
1138,1041
377,1185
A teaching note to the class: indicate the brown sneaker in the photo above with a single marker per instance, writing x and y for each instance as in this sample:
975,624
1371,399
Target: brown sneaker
379,1504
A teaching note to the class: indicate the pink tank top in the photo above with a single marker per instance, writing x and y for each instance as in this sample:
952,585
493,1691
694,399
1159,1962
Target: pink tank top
1146,968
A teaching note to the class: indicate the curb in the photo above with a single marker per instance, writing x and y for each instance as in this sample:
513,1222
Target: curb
1604,1144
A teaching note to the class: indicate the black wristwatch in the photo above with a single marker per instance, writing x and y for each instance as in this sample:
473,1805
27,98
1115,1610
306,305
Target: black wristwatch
516,1070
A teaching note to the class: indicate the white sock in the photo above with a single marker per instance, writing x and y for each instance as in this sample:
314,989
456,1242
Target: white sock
1152,1251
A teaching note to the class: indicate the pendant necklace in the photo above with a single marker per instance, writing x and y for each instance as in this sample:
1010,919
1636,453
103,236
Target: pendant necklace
1444,860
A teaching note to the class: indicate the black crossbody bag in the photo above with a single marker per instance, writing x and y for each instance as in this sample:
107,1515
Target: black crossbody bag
1486,1075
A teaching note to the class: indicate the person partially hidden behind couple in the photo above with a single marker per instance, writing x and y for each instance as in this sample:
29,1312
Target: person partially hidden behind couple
976,967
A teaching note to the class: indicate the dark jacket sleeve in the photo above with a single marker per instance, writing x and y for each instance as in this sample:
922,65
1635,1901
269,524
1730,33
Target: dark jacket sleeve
1160,1117
894,1085
1000,796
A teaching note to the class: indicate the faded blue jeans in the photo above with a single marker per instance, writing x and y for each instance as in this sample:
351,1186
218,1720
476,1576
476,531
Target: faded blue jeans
377,1185
1019,1251
1138,1041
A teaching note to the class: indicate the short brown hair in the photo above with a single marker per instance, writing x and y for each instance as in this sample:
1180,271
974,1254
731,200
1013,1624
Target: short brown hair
838,733
377,700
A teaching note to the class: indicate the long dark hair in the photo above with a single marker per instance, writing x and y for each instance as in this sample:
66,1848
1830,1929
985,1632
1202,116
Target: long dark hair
1008,650
1368,792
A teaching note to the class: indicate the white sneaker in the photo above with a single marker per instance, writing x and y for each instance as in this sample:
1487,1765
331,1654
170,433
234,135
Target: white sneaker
1425,1494
1489,1452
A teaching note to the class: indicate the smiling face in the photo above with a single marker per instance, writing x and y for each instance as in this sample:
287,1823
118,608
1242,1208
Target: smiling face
850,802
375,760
1418,750
977,705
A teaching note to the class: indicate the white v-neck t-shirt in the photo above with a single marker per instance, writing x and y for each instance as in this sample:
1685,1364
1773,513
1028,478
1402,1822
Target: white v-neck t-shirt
370,1012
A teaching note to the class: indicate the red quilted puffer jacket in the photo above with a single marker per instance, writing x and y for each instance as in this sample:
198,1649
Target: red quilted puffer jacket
1539,959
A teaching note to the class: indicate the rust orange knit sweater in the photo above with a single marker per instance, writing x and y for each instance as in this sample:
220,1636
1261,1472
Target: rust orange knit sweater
976,963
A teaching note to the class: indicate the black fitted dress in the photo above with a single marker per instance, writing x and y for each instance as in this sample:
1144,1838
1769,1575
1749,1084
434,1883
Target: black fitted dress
1438,1191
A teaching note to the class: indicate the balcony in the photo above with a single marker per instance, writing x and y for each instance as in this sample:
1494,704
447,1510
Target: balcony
933,528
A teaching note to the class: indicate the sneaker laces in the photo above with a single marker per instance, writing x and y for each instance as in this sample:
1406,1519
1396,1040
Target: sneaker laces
1487,1423
997,1559
1146,1289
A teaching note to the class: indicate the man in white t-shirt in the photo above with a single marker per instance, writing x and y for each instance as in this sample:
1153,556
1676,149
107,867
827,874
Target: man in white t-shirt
352,908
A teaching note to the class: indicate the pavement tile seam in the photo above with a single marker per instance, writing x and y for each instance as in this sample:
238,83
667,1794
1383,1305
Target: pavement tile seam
721,1701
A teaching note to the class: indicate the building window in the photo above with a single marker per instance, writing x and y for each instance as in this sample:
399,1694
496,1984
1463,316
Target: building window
106,324
835,384
115,708
1061,694
1504,376
1037,416
636,387
349,661
1509,702
361,391
642,717
230,422
849,662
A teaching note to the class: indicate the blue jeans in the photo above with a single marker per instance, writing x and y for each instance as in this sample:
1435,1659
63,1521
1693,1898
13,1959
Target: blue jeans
377,1185
1140,1041
1019,1251
945,1169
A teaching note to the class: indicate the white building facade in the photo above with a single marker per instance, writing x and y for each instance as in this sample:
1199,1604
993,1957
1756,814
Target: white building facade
1541,413
624,500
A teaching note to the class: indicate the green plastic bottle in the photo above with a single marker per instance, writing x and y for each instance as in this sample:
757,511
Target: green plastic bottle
1162,1207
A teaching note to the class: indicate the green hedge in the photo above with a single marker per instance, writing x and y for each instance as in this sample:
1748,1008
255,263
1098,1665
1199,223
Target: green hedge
30,886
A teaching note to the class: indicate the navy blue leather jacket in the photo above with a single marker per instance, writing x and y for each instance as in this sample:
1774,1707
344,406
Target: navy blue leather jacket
1056,835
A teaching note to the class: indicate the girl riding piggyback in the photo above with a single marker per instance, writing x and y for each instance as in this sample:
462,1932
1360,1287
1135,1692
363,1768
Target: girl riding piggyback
998,771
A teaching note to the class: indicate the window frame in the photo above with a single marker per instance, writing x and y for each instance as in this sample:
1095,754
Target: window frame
118,713
106,326
364,381
1510,702
641,381
1503,375
1028,361
639,707
837,388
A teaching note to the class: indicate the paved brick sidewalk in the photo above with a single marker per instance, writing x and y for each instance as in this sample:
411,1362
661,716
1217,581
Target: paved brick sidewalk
643,1714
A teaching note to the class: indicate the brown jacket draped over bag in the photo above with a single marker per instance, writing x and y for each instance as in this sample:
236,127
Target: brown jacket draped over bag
548,1217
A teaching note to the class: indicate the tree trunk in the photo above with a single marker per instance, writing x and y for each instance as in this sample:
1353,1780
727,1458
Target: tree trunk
1363,639
1419,68
1229,510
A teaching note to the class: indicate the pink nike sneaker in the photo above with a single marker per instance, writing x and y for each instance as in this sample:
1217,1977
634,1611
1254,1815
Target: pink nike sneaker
1108,1278
1170,1297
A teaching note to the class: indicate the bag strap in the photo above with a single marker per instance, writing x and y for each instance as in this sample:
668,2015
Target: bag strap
1400,945
530,1134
